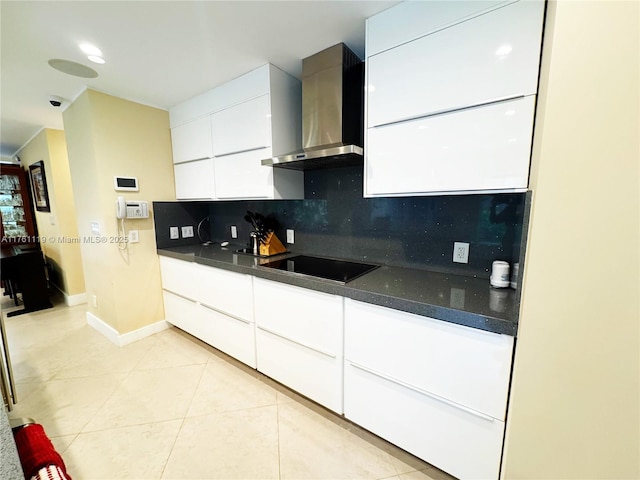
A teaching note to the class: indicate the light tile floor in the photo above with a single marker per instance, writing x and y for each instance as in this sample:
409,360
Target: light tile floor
172,407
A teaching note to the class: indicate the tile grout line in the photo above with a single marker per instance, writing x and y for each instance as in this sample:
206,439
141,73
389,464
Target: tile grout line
184,418
278,429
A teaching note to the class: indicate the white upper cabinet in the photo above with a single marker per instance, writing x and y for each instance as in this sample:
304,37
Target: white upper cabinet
450,105
243,127
248,132
483,148
410,20
195,180
490,57
246,120
192,140
242,176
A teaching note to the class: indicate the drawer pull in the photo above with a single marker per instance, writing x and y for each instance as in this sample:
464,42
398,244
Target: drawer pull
328,354
209,307
191,160
450,110
422,392
241,151
180,296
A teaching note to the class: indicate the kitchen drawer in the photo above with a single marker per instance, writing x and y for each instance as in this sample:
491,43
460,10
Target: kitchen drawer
314,374
410,20
225,291
179,277
483,148
234,336
195,180
310,318
461,443
242,127
490,57
467,366
183,313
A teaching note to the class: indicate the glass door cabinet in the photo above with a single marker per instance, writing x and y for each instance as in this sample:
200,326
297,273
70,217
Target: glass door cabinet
18,225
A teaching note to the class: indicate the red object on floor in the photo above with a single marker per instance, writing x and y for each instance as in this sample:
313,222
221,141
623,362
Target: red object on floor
36,450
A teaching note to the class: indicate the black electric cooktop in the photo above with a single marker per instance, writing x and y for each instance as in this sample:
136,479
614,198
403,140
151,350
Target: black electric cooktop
335,270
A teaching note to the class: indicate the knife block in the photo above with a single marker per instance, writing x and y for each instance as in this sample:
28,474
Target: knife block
271,245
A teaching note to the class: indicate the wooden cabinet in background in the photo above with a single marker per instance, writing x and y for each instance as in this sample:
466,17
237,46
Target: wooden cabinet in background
18,224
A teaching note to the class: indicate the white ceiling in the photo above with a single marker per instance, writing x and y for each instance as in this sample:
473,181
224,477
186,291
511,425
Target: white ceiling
158,52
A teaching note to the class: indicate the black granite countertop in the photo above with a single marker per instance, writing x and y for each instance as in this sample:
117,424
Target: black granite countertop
457,299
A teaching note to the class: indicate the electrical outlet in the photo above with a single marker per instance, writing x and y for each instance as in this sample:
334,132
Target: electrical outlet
133,236
234,231
290,236
460,252
174,233
94,301
95,228
187,231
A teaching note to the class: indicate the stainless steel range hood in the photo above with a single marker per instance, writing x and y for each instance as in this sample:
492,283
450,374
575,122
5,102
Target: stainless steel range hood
332,112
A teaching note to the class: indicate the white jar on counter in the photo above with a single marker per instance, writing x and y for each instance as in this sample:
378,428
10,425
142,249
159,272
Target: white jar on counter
499,274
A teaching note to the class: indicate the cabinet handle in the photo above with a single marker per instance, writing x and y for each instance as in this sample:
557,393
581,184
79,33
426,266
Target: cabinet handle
209,307
191,160
179,295
327,354
240,151
449,110
422,392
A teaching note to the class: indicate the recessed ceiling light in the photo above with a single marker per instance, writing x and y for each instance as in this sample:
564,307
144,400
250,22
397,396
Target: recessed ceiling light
92,52
96,59
72,68
89,49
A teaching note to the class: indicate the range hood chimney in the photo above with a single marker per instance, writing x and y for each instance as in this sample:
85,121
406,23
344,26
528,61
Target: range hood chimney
332,112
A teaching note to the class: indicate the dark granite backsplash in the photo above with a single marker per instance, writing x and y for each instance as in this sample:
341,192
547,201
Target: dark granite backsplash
335,220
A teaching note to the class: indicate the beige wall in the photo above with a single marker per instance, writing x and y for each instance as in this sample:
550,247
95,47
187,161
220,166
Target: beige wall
575,400
59,225
108,136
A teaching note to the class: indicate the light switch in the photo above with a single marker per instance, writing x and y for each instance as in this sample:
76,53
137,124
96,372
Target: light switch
133,236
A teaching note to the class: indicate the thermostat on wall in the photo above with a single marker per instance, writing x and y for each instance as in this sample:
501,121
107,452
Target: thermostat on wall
128,184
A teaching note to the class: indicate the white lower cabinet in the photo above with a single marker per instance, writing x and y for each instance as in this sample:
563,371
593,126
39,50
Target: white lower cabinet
182,312
454,440
213,305
231,335
436,389
299,340
226,307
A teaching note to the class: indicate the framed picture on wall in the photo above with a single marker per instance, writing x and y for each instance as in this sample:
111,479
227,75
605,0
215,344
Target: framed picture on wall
39,187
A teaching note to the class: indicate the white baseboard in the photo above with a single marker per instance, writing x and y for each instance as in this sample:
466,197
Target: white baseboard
71,300
126,338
